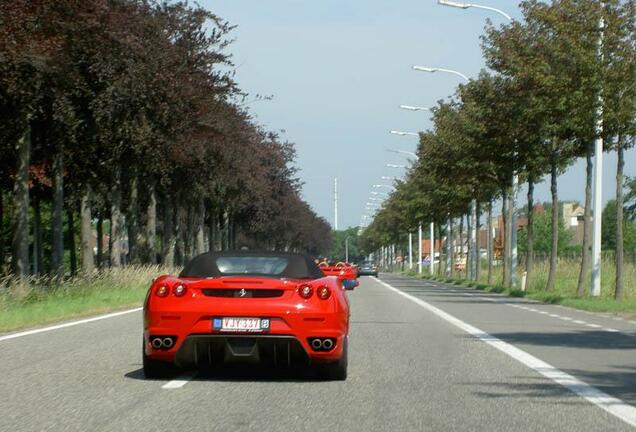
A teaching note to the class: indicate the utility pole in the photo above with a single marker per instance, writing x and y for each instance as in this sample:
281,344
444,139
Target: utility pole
419,248
598,178
410,251
335,204
432,248
347,249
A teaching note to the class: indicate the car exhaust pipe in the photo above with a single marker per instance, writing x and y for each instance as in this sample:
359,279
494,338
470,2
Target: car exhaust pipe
157,343
327,344
168,342
316,344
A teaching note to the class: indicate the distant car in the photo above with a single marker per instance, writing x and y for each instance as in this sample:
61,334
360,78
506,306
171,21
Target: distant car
368,268
345,272
246,307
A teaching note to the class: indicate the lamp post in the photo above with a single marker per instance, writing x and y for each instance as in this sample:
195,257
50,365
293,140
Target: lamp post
410,251
419,248
473,203
414,108
402,133
383,185
596,247
402,152
472,5
433,70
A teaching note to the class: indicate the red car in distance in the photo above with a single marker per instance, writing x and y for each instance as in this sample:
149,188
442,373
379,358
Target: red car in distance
347,273
243,307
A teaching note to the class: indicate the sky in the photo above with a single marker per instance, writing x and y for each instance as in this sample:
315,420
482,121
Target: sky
338,71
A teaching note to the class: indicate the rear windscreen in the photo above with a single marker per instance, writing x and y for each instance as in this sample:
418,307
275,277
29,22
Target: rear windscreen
240,263
272,266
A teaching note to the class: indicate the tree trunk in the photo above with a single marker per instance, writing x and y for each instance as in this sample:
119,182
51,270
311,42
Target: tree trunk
489,242
20,243
587,219
212,228
100,240
509,233
151,225
115,219
530,231
461,242
439,236
451,250
2,242
200,228
57,260
504,235
86,230
469,244
477,242
618,291
555,221
37,236
132,221
70,219
169,240
180,229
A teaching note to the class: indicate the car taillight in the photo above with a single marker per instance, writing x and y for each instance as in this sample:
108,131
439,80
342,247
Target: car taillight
323,292
162,291
305,291
179,290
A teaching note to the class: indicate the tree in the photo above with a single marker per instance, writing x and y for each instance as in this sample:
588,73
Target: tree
543,234
608,234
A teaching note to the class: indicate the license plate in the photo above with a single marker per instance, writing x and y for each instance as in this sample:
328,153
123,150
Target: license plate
240,325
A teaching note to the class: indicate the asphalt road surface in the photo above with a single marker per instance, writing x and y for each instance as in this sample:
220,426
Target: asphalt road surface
422,356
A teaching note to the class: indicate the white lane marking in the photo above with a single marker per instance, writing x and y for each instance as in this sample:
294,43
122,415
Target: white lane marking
529,309
68,324
612,405
178,382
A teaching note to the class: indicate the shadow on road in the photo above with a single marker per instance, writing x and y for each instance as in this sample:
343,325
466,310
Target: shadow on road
242,373
619,382
588,339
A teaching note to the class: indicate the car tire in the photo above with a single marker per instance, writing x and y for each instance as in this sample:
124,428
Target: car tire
336,371
155,369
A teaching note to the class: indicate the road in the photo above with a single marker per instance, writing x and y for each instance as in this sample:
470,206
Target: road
423,356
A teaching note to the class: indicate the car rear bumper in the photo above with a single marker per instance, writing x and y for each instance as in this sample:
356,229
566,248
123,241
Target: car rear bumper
287,343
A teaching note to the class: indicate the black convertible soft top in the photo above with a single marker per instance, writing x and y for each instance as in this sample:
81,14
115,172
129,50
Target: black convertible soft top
252,263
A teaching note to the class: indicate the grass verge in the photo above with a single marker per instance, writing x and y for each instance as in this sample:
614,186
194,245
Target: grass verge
37,301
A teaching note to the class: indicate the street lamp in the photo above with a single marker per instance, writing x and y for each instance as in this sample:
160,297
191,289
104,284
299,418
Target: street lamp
432,70
472,5
414,108
515,178
403,152
402,133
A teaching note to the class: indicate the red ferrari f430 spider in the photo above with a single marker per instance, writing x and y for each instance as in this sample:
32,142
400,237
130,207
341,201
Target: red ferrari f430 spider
244,308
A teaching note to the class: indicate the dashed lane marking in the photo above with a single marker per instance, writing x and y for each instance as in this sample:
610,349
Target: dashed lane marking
178,382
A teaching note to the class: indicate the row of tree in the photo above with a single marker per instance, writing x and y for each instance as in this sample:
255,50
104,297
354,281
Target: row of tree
557,81
121,120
